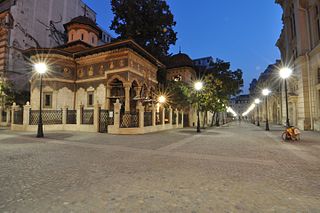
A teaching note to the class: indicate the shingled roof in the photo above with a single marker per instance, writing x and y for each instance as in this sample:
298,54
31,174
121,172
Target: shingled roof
83,20
179,60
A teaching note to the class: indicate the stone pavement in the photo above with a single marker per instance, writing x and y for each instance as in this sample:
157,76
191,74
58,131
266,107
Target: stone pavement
235,168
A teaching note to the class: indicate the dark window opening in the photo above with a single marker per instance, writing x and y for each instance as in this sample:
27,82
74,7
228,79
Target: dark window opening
47,102
82,37
90,99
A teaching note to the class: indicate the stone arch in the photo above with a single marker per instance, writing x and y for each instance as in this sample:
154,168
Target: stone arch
120,78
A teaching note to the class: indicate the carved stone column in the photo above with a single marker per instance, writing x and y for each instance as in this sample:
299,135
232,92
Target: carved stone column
127,96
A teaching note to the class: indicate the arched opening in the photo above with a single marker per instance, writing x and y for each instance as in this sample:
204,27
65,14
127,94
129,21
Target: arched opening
134,96
116,92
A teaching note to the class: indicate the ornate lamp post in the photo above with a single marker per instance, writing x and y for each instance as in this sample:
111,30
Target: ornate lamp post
257,101
41,68
284,74
198,87
266,92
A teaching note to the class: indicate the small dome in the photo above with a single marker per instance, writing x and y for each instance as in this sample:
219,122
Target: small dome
83,20
179,60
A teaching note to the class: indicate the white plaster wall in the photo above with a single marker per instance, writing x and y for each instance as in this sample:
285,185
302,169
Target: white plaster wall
100,95
65,97
81,97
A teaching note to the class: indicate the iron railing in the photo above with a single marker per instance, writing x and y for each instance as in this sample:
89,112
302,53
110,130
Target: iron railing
71,116
180,118
167,117
87,116
18,117
49,117
129,120
4,116
147,118
106,117
174,118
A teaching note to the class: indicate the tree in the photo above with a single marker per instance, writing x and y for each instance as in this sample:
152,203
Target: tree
220,84
149,22
180,94
7,94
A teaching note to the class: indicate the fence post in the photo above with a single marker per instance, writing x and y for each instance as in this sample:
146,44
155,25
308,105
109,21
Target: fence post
96,115
154,114
140,109
163,116
170,115
1,114
13,109
79,114
117,108
177,117
8,120
182,115
64,114
26,113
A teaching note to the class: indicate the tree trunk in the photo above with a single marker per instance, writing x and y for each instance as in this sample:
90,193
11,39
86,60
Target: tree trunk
217,120
213,118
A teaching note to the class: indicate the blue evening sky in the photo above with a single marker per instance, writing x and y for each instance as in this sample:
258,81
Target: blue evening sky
242,32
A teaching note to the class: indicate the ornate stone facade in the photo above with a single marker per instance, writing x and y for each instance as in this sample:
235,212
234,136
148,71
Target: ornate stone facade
299,44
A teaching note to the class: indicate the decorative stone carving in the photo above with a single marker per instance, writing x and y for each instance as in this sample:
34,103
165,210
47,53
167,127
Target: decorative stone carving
101,70
80,73
90,72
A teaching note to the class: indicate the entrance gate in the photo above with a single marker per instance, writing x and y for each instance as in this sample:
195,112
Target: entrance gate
106,118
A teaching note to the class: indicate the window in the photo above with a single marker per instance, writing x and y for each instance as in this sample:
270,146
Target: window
82,37
71,37
293,22
90,99
92,40
47,100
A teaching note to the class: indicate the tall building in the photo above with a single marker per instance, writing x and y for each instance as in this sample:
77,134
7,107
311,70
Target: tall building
299,44
35,23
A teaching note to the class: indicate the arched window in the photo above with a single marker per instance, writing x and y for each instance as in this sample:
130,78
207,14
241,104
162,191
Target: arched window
92,39
82,37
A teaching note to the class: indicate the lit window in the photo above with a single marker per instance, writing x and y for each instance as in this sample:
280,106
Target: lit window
47,100
90,99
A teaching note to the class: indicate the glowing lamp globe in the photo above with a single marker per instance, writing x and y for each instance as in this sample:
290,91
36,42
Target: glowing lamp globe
285,72
41,68
162,99
198,86
266,92
257,101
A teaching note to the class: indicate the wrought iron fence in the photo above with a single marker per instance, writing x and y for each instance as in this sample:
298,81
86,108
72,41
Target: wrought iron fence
174,118
106,117
158,118
4,116
167,117
18,117
180,118
147,118
71,116
129,120
87,116
49,117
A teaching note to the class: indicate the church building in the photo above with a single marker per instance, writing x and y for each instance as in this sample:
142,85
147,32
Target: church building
81,72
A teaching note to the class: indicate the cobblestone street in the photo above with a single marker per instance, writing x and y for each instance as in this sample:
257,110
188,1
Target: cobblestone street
235,168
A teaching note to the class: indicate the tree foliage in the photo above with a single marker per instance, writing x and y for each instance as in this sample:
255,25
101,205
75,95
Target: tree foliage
149,22
7,94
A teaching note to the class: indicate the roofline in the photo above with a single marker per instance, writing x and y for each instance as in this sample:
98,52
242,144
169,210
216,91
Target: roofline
109,46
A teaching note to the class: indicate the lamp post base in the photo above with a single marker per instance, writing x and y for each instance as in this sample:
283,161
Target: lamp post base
40,131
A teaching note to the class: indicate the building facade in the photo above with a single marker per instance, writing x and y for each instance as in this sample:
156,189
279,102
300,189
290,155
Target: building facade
299,44
273,107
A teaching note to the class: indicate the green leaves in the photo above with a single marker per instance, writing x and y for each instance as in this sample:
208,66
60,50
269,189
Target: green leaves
149,22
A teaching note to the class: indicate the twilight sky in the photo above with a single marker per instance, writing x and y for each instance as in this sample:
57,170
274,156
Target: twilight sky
242,32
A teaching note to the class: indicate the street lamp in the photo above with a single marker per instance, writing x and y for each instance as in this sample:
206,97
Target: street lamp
41,68
284,74
266,92
198,87
257,101
162,99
